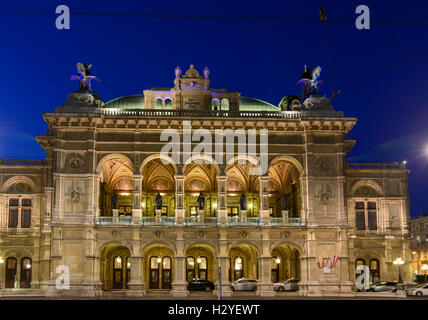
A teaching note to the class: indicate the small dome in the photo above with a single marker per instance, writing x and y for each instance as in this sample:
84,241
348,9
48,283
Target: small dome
127,102
253,104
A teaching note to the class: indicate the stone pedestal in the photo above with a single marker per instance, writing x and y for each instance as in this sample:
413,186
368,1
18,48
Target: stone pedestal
244,216
115,215
265,217
136,215
179,216
285,216
78,102
201,215
158,215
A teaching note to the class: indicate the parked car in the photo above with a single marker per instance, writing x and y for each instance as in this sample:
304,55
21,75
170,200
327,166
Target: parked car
287,285
419,291
244,285
200,285
383,287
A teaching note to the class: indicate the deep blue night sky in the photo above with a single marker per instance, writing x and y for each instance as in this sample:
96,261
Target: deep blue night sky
260,59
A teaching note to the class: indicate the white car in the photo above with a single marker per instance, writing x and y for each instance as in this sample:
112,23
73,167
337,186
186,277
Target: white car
244,285
420,291
287,285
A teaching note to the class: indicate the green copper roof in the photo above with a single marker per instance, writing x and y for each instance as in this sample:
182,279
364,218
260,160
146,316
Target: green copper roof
137,102
127,102
253,104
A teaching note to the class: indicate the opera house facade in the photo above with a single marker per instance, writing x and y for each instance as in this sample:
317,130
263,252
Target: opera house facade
106,213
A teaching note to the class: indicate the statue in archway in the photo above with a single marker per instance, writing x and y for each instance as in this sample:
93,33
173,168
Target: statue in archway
114,199
158,201
285,202
243,202
201,200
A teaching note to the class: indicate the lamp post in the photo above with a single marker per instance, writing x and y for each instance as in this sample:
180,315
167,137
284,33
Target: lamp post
399,262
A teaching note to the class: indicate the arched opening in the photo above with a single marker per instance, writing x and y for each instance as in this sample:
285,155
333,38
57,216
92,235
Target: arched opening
115,267
26,267
200,178
11,280
168,103
285,263
116,185
158,103
374,267
284,189
159,270
243,262
201,263
215,104
158,178
240,182
225,104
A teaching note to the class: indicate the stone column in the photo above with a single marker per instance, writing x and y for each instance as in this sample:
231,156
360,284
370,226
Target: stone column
264,200
222,200
136,199
179,284
179,200
224,263
136,283
265,285
158,213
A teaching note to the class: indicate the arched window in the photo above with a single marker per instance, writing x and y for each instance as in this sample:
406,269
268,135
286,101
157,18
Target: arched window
166,273
190,268
154,273
117,272
374,270
202,268
168,103
25,273
225,104
358,262
128,269
158,103
215,104
11,277
238,267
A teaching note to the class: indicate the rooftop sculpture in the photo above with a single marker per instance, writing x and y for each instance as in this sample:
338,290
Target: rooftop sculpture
84,76
310,82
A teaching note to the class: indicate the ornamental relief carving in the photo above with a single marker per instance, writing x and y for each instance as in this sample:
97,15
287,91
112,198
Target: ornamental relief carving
323,166
74,135
116,136
366,191
75,163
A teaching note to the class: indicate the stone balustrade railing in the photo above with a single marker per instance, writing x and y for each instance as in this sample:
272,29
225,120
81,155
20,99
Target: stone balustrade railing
196,221
22,162
377,166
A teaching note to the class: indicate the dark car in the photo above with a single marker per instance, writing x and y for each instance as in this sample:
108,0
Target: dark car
201,285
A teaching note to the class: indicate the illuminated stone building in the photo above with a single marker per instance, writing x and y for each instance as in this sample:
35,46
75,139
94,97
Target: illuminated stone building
419,229
61,214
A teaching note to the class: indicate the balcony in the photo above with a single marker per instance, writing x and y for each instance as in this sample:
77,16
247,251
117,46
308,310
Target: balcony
197,221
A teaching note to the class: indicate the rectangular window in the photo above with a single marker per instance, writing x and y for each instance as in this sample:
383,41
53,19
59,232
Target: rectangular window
194,211
26,202
13,218
232,211
13,202
26,218
359,205
361,225
371,205
372,220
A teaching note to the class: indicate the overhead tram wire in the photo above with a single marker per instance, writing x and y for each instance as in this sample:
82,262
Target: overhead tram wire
323,19
238,18
391,66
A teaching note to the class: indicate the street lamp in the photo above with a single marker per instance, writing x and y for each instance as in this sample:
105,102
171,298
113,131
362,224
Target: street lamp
399,262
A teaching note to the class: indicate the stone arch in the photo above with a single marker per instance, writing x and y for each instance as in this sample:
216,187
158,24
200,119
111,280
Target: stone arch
292,160
206,270
367,183
155,243
162,157
114,268
286,261
122,243
17,253
114,156
288,243
19,179
202,242
200,159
